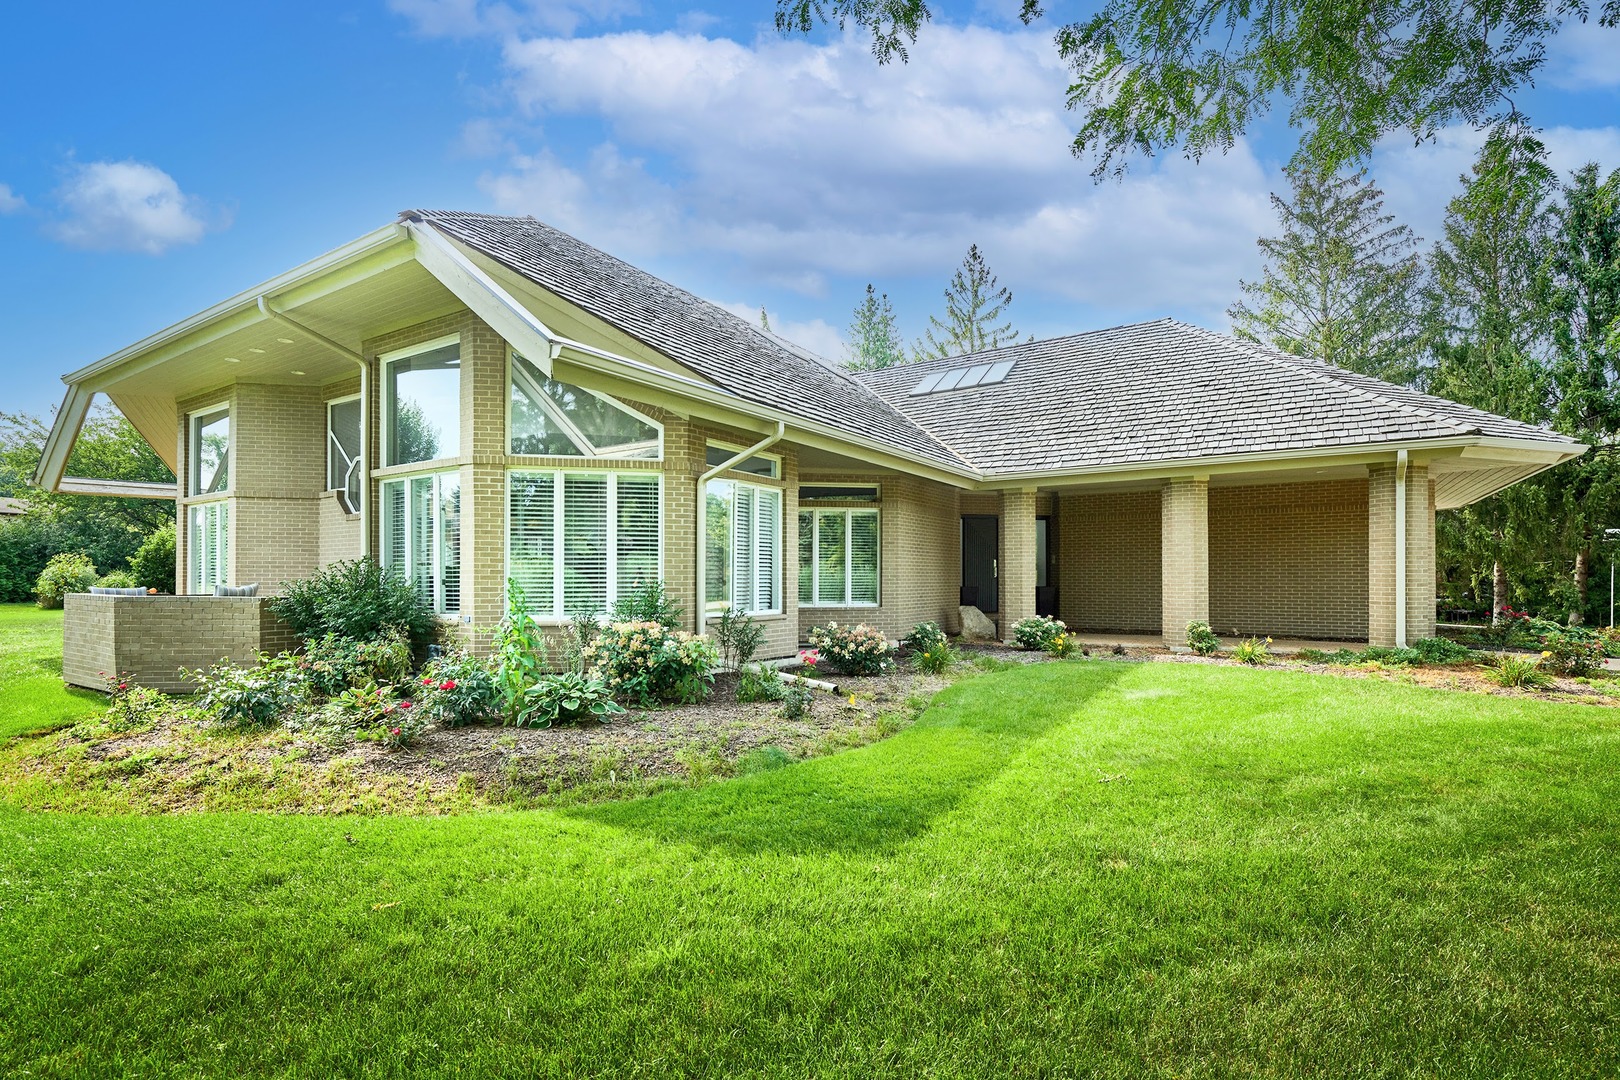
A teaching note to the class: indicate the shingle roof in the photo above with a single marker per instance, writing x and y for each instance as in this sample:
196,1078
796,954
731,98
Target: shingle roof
1165,390
706,338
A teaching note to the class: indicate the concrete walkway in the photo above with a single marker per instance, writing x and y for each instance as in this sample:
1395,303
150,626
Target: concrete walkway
1153,641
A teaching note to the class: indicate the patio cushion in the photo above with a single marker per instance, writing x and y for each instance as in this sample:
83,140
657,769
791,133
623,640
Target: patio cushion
237,590
108,590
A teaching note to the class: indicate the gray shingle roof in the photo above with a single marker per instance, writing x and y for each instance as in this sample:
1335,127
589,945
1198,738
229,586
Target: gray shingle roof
1165,390
706,338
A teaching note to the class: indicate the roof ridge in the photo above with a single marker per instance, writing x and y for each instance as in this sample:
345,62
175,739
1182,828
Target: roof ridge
1322,371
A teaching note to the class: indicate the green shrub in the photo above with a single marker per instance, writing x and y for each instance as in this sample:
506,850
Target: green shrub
356,599
923,637
1569,654
459,689
27,542
333,664
368,704
851,650
1521,672
118,579
520,651
760,683
153,562
1201,639
1439,650
253,697
649,601
567,698
129,708
1036,634
647,663
1387,655
796,700
738,637
1252,651
937,658
69,572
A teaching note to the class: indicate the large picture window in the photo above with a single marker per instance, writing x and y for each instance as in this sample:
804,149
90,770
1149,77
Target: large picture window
577,541
343,451
557,419
211,451
421,536
838,558
744,548
422,403
208,543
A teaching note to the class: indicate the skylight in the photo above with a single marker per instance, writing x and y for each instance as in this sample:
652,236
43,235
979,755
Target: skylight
963,377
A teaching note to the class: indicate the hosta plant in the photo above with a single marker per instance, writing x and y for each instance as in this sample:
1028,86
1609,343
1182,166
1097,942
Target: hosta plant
567,698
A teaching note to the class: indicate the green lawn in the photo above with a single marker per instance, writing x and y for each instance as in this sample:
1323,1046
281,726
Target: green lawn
32,696
1080,868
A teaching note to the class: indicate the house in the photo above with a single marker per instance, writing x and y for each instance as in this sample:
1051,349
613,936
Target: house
472,399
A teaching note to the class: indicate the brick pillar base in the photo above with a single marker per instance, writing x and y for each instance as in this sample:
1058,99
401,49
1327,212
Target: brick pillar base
1184,557
1381,628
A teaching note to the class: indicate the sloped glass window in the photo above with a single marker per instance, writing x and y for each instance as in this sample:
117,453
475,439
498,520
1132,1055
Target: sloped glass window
558,419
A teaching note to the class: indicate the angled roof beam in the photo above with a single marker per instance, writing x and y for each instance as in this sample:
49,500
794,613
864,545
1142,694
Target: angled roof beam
64,433
487,299
123,489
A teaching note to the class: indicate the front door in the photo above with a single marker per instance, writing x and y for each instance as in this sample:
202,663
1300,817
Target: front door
980,541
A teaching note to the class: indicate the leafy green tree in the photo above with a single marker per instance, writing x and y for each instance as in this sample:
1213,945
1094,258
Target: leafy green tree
1152,76
974,303
1341,280
874,337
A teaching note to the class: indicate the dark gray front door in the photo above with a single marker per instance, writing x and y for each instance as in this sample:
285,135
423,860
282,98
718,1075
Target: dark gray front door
980,539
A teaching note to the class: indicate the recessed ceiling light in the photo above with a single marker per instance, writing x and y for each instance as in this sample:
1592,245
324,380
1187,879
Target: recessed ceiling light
298,373
256,350
285,340
232,360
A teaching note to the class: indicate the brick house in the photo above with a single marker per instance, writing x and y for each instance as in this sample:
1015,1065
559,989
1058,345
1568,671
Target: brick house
473,398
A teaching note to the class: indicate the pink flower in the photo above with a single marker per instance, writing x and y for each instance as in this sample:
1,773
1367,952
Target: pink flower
393,731
448,684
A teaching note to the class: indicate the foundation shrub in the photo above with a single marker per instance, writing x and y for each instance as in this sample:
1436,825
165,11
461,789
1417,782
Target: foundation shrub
358,600
851,650
457,690
738,637
254,697
1201,639
923,637
647,663
1038,633
333,663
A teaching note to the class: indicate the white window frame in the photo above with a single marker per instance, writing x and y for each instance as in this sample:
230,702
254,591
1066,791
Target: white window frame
731,552
732,450
219,536
332,449
435,543
559,612
848,513
388,403
514,372
193,458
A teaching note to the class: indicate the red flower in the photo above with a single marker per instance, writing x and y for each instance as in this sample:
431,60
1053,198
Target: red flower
123,686
404,704
448,684
427,682
393,731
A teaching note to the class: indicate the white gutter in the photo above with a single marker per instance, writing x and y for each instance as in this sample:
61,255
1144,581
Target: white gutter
699,619
515,324
270,312
1400,549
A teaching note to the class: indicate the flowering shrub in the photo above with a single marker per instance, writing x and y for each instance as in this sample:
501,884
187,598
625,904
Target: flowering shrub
647,663
457,690
1201,639
250,697
1062,646
1037,633
129,708
923,637
1569,654
810,658
398,732
852,650
69,572
567,698
1252,651
333,664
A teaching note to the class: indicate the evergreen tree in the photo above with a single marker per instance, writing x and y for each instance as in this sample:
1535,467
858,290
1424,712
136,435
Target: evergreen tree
874,339
973,304
1341,280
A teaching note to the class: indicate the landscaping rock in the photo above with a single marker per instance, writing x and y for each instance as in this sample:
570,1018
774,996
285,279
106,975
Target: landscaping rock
976,625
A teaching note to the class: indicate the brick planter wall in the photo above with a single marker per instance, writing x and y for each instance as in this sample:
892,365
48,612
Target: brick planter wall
153,637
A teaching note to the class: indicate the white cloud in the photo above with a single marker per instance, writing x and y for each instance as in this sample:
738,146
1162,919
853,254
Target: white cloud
807,161
472,18
10,201
127,206
1582,57
814,335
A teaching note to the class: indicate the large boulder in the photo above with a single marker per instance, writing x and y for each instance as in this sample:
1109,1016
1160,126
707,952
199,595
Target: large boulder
976,625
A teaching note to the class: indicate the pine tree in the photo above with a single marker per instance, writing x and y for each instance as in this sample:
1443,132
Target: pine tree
973,303
1341,280
764,320
874,339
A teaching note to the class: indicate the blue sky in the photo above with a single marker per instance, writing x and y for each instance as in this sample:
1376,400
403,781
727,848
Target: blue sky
158,158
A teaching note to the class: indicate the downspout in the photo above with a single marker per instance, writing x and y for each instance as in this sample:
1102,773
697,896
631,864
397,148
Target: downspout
1400,549
319,338
701,517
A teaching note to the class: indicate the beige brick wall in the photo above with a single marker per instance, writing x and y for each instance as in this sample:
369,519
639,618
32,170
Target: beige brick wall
1184,556
1289,559
154,638
1016,590
1381,554
1107,563
340,537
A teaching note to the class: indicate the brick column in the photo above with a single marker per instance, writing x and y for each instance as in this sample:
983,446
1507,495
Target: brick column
1381,554
483,480
1184,557
1017,568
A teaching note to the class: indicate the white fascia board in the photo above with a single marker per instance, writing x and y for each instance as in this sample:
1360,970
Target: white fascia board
64,433
515,323
124,489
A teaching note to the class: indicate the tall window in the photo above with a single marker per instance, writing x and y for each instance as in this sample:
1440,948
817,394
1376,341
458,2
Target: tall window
558,419
744,547
421,536
209,546
838,558
577,541
211,451
422,403
343,450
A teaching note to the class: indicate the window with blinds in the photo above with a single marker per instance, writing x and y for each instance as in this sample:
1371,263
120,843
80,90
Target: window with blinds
838,558
209,544
577,540
421,536
744,548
